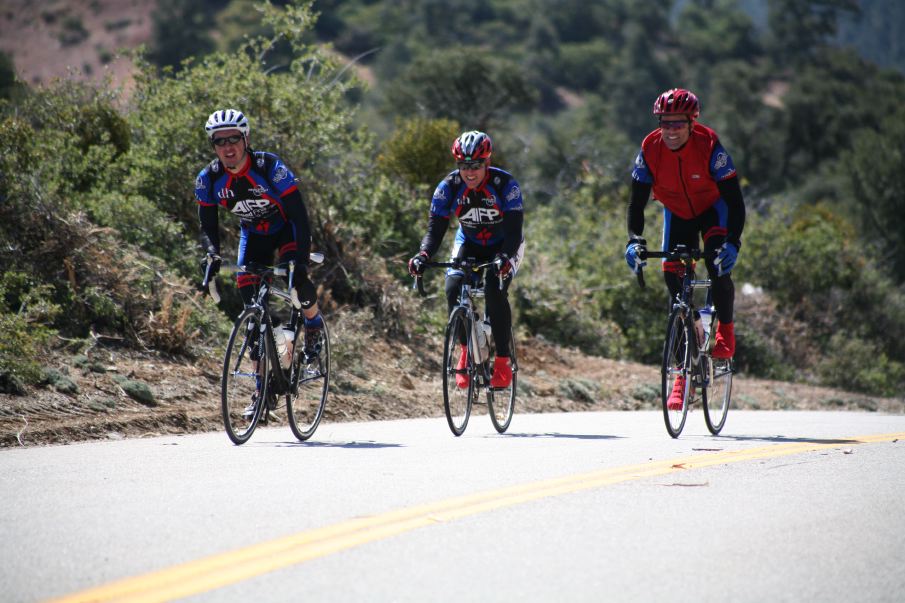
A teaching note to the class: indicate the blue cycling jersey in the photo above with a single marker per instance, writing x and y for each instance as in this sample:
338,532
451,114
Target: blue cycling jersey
480,210
256,195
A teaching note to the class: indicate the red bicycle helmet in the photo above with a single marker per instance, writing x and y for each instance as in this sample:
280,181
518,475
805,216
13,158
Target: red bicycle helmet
678,101
472,146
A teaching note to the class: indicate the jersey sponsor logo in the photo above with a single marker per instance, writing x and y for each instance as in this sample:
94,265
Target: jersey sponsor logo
280,174
259,191
514,194
252,208
260,160
440,194
490,201
722,160
199,184
225,193
695,176
639,161
479,215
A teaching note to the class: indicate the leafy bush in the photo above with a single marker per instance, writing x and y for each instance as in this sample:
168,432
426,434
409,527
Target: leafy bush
858,365
418,151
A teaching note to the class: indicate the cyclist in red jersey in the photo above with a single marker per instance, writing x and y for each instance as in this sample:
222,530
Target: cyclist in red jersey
683,163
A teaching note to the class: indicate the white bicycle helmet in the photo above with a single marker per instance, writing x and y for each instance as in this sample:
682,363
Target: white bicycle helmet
226,119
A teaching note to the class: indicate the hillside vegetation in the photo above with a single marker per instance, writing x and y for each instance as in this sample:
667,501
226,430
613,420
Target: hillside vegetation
98,226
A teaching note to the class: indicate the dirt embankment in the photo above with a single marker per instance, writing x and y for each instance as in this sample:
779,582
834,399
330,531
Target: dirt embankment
116,393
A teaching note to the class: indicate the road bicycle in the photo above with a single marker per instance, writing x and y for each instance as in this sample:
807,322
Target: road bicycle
686,351
467,326
266,360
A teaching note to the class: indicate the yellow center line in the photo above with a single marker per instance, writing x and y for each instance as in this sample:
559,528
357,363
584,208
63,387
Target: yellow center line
216,571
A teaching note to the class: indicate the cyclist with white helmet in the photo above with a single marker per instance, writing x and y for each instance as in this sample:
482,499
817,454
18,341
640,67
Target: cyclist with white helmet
263,193
487,202
692,175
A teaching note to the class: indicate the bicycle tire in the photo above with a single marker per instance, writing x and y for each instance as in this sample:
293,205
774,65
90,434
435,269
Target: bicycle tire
501,401
457,401
309,387
677,362
241,383
717,395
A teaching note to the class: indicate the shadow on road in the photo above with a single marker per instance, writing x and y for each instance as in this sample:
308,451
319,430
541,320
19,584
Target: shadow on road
779,439
573,436
351,445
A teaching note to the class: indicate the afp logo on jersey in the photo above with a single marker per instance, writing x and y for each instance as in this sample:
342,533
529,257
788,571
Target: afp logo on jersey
480,215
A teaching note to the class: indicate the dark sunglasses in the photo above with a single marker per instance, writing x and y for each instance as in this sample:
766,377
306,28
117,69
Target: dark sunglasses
234,139
470,165
674,125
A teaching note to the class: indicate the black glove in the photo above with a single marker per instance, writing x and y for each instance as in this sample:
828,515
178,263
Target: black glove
502,265
416,264
209,272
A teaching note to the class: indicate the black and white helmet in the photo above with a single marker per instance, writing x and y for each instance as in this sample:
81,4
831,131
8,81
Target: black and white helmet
226,119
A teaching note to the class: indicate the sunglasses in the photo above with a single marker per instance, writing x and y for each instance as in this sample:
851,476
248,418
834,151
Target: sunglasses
674,125
470,165
234,139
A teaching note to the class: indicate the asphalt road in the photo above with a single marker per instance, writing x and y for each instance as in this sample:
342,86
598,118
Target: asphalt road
785,506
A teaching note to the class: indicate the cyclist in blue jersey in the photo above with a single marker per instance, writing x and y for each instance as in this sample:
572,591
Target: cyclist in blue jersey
690,173
261,190
487,202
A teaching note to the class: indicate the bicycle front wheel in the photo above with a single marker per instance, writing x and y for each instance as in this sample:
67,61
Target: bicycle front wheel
309,384
458,384
717,394
244,377
502,399
676,374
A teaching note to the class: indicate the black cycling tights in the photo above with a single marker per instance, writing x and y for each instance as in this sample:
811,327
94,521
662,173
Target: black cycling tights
497,302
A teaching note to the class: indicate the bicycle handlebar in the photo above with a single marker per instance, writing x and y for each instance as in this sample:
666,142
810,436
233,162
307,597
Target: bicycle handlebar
680,254
286,269
465,264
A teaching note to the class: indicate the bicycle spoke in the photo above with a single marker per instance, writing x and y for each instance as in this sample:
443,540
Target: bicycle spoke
458,384
310,383
502,399
717,395
676,374
241,385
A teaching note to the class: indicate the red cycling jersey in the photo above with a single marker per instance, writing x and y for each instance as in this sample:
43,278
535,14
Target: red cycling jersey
684,181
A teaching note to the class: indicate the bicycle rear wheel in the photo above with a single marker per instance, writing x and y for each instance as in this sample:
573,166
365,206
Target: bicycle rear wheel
717,395
457,400
309,384
676,365
243,384
502,399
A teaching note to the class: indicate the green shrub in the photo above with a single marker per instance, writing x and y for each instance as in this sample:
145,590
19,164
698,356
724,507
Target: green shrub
858,365
418,151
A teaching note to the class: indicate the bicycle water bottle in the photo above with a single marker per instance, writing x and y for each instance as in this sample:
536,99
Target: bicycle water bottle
706,320
699,334
280,339
289,337
478,341
485,340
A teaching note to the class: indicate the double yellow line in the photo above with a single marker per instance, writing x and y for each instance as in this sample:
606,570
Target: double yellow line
217,571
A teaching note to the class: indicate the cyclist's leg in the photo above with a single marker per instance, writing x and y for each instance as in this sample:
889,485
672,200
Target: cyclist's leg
714,234
498,309
676,231
252,249
713,230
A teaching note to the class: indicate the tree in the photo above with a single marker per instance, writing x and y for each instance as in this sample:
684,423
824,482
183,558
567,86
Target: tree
475,89
799,28
875,163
